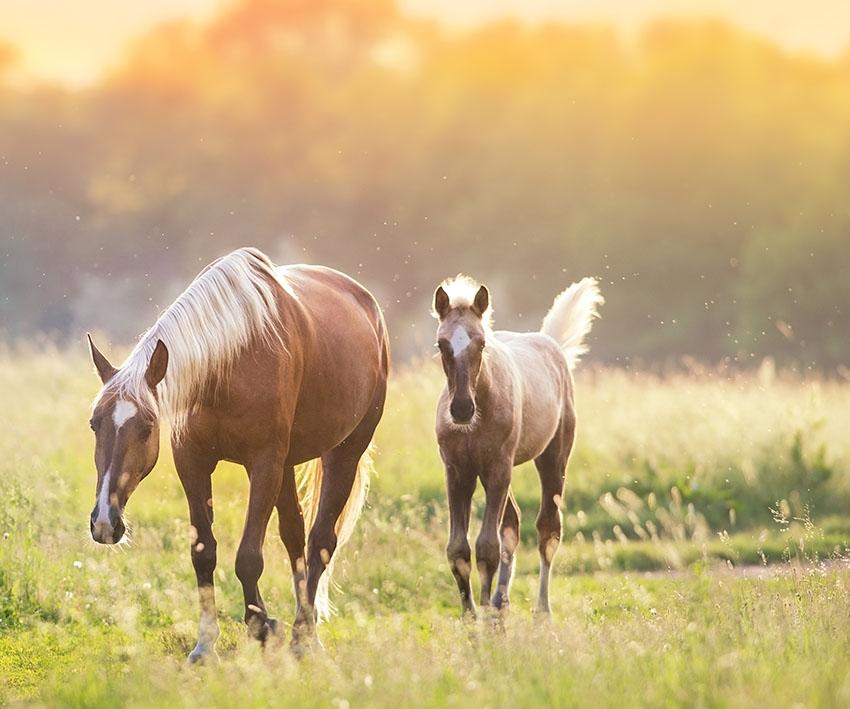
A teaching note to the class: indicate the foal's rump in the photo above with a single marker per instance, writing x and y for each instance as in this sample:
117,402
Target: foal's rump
541,371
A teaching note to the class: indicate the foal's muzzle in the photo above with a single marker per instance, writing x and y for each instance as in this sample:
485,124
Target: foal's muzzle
462,410
107,531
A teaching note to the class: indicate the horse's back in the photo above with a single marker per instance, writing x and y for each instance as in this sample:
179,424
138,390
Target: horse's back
342,351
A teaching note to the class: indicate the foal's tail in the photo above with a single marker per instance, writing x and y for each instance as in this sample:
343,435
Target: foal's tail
310,486
571,317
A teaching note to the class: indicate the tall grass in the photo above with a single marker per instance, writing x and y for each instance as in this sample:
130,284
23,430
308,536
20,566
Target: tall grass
670,471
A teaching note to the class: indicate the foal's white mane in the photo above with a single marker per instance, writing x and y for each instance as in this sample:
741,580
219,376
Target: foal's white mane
228,305
461,291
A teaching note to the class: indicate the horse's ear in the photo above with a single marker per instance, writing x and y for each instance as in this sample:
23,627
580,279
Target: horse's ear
441,302
481,302
158,365
104,369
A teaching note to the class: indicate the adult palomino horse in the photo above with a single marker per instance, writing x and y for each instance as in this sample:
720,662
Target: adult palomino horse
508,399
267,367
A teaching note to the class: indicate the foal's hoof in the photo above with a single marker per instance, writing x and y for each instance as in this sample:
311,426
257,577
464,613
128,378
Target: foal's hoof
203,654
542,615
500,602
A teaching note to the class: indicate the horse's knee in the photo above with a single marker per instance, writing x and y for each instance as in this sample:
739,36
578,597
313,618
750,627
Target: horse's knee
321,546
249,565
204,559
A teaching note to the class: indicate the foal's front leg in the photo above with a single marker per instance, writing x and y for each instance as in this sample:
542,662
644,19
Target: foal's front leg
266,475
496,482
460,485
195,474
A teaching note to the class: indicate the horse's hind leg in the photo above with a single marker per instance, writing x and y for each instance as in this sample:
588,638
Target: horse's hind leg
266,476
510,541
551,467
339,471
291,528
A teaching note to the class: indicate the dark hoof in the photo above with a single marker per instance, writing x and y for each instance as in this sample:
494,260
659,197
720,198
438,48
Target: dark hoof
304,641
263,629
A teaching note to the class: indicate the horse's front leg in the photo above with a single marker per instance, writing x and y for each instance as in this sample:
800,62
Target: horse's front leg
196,477
266,475
497,481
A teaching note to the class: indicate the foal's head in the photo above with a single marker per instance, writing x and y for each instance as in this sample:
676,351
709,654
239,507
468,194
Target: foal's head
126,429
463,309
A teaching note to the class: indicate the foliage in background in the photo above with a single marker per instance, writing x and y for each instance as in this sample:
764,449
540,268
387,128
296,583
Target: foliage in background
692,160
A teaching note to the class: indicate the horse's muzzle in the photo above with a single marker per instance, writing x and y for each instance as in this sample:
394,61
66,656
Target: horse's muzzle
462,410
107,531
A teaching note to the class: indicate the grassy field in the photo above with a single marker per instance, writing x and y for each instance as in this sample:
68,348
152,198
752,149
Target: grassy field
676,487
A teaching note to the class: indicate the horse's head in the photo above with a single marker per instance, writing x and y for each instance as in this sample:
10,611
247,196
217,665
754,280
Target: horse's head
126,429
462,308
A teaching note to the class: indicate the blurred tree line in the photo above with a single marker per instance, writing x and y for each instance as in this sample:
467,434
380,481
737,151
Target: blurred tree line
700,172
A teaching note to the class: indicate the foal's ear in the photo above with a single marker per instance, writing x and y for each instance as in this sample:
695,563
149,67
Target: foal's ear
481,302
157,365
441,302
104,369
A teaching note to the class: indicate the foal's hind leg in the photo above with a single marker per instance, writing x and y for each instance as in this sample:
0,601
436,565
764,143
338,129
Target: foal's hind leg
510,541
291,527
551,467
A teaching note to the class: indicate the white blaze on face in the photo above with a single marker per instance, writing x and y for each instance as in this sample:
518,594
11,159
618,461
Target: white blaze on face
123,412
460,340
103,500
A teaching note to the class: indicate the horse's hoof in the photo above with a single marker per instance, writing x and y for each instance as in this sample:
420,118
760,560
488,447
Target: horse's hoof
203,655
263,629
304,639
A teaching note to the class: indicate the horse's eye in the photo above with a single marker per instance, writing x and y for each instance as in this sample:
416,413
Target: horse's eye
93,424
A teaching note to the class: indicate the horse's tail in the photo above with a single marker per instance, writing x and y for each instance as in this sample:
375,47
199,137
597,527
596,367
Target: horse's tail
571,317
309,486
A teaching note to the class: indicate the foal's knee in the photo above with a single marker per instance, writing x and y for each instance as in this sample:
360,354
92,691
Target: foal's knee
487,552
549,535
459,554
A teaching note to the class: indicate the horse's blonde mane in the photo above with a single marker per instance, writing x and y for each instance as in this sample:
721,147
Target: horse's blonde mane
461,291
229,304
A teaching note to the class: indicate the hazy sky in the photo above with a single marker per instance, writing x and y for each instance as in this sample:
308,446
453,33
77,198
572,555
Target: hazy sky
73,40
